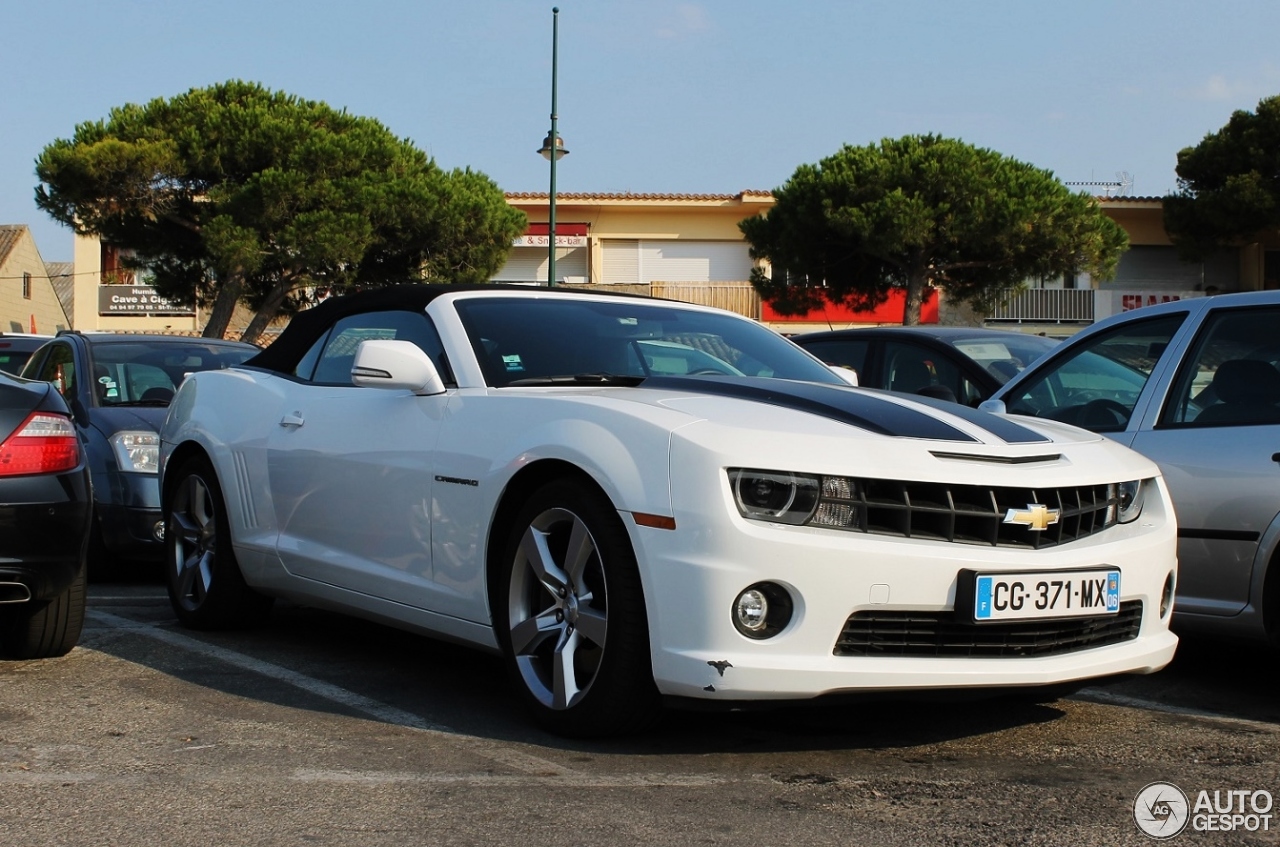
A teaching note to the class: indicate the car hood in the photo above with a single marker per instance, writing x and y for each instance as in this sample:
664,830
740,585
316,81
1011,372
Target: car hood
114,419
783,423
852,412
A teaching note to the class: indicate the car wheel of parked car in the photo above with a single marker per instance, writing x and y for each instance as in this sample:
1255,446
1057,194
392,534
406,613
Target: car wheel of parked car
49,629
204,580
574,629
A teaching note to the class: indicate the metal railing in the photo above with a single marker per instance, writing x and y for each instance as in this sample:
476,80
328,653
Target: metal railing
1047,305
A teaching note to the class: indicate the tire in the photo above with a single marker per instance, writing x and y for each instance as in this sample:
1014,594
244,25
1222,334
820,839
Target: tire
573,627
49,629
205,584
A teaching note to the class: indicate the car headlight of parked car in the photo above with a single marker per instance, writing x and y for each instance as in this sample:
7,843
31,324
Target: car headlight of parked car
137,451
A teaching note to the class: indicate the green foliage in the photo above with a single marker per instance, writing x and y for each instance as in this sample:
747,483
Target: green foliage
1228,184
237,190
922,210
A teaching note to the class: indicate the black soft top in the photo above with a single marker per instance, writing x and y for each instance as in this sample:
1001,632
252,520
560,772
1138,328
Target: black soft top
308,325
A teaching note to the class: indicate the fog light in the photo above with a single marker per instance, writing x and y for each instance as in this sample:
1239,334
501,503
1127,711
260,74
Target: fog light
762,610
1166,596
157,531
752,610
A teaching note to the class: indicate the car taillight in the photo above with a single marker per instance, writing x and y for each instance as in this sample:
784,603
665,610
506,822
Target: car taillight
45,443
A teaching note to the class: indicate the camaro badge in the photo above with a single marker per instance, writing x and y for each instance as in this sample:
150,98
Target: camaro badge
1035,517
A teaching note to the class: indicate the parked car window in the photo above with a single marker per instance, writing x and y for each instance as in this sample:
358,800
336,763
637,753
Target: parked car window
1231,376
333,367
59,367
142,371
919,370
1007,356
1097,385
847,353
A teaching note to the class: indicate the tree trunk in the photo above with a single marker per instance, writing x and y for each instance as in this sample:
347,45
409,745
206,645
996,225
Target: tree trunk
266,312
915,297
224,306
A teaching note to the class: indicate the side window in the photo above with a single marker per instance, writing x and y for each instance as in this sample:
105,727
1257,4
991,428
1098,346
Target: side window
333,364
59,367
921,370
1097,384
1231,376
847,353
307,366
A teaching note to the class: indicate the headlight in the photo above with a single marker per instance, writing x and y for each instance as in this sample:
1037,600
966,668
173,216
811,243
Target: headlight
774,495
1129,497
137,451
796,498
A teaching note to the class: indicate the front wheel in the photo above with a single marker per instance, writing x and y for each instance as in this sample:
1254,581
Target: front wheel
205,585
571,616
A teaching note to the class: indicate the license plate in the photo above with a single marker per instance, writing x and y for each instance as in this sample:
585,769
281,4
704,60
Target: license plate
1061,594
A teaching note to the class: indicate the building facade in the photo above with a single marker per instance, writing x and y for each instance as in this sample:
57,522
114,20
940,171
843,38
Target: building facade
28,302
688,247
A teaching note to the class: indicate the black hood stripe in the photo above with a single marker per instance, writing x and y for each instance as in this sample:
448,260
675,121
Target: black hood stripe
856,408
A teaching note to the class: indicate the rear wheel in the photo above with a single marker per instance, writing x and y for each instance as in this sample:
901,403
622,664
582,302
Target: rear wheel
49,629
205,584
571,616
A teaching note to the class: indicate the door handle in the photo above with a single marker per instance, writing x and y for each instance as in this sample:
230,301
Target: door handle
292,419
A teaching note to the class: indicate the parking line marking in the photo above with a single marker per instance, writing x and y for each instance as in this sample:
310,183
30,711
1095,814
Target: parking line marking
513,759
1097,695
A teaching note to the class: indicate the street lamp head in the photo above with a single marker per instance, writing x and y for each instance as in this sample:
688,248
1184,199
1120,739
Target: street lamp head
561,152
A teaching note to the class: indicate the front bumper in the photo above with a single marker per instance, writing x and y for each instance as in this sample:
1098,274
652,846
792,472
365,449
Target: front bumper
128,512
693,575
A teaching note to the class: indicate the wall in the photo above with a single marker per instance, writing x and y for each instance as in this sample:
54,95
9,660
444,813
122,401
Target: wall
17,314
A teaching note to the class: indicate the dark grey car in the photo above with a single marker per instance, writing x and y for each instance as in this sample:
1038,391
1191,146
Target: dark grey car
1194,385
965,364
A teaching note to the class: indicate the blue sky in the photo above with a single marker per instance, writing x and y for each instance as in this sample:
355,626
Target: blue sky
665,96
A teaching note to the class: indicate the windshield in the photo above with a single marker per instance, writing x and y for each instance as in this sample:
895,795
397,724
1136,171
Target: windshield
1007,354
523,341
138,372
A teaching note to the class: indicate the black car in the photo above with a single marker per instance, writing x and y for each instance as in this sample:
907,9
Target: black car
119,387
45,509
16,348
965,364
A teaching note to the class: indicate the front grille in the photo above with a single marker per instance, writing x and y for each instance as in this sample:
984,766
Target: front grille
975,514
940,634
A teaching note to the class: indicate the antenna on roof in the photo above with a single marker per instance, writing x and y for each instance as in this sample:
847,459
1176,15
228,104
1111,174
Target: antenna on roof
1124,180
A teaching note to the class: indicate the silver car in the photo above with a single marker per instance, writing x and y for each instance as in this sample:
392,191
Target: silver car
1194,385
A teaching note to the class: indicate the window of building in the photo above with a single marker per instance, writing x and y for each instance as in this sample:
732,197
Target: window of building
26,286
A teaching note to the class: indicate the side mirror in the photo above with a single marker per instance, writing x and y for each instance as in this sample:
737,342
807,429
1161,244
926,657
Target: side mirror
995,407
395,364
849,375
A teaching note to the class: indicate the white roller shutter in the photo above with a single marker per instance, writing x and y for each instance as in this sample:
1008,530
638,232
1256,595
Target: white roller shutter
621,261
529,264
694,261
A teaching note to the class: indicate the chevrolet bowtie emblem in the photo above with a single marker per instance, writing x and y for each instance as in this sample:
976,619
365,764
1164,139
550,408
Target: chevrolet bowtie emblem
1035,517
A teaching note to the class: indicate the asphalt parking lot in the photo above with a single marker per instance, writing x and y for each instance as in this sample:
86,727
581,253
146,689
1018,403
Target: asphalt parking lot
321,729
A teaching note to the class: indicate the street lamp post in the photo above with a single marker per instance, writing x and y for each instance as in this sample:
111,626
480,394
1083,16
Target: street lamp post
553,149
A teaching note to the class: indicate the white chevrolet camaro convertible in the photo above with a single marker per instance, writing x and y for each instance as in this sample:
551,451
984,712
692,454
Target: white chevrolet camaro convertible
634,499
